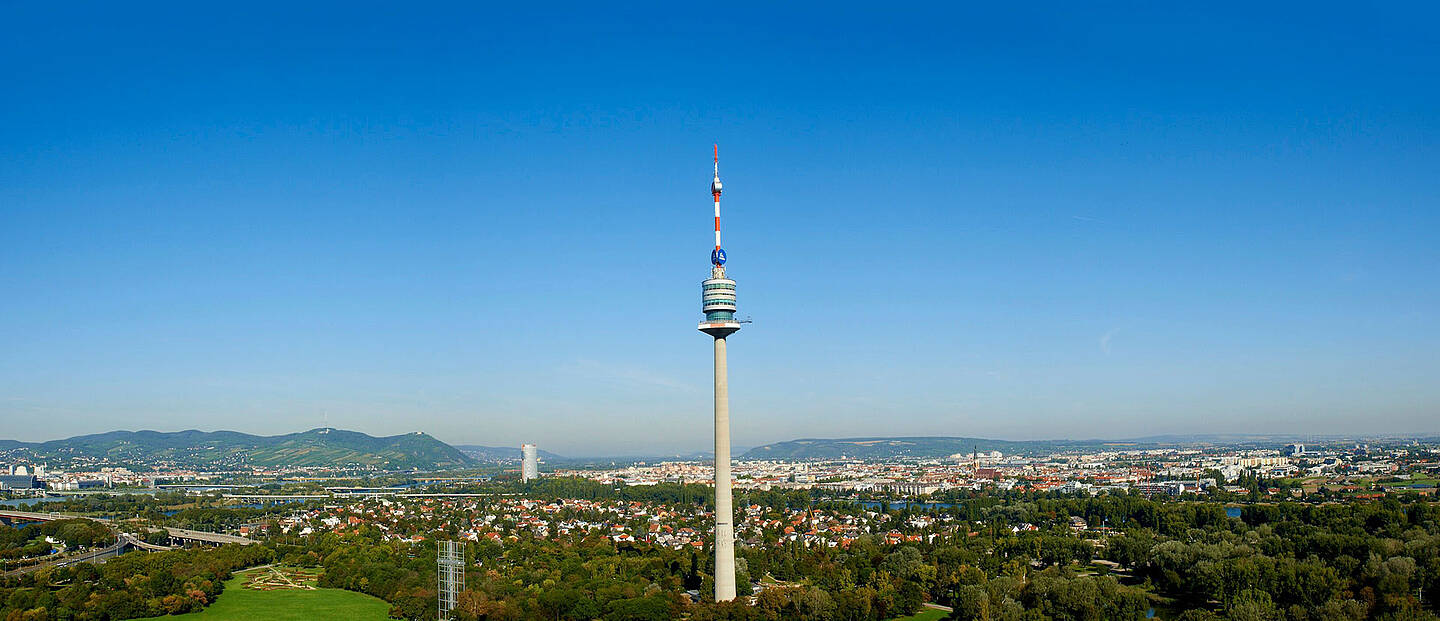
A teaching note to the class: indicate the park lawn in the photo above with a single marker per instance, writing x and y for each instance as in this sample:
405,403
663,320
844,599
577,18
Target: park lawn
929,614
237,603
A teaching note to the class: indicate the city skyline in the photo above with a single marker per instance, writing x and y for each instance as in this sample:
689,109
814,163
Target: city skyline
1074,222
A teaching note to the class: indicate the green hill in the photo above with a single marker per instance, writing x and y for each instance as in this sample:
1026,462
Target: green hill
317,447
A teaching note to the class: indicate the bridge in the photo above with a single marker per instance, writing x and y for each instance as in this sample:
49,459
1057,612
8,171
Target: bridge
366,491
182,534
149,547
32,516
264,497
208,537
92,556
439,479
126,540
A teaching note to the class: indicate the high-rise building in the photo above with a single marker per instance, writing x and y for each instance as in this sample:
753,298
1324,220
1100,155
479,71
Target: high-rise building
529,462
717,300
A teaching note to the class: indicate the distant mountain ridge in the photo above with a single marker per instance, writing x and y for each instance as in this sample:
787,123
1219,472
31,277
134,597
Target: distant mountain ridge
502,453
916,446
944,446
316,447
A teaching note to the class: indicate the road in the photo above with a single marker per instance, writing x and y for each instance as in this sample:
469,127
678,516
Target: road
91,556
208,537
178,533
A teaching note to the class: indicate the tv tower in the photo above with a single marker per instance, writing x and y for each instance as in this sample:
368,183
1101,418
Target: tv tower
717,296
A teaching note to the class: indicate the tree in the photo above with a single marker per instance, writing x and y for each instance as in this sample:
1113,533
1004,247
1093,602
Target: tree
1253,605
972,604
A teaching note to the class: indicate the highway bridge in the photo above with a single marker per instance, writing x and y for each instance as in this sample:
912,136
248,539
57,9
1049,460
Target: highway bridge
149,547
12,515
207,537
180,534
366,491
268,497
126,541
91,556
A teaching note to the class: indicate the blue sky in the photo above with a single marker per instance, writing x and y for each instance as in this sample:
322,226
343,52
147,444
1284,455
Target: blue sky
490,224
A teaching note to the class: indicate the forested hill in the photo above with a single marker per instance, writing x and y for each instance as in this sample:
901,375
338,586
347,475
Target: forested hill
886,448
317,447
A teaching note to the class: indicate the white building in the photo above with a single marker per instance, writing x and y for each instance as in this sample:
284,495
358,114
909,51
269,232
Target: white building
530,463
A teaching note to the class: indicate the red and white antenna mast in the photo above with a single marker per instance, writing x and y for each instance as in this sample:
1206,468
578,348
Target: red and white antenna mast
718,257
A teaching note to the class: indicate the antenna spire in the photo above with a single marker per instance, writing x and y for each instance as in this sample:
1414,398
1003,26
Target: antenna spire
717,257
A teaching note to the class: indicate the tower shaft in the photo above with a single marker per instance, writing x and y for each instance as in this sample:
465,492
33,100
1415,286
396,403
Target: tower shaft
724,511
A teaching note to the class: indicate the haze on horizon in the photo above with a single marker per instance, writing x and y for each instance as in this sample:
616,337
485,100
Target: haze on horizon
490,223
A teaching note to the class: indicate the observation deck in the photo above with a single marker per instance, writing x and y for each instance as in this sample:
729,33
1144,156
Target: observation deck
717,301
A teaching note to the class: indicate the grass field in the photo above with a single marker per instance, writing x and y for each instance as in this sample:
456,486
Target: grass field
929,614
239,603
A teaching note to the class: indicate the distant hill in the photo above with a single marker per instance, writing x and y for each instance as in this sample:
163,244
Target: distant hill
502,453
937,446
924,447
317,447
1238,438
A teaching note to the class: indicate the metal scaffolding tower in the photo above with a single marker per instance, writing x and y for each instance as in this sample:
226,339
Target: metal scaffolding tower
452,574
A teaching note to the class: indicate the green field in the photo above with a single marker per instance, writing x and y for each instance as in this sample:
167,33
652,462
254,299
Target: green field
243,604
929,614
